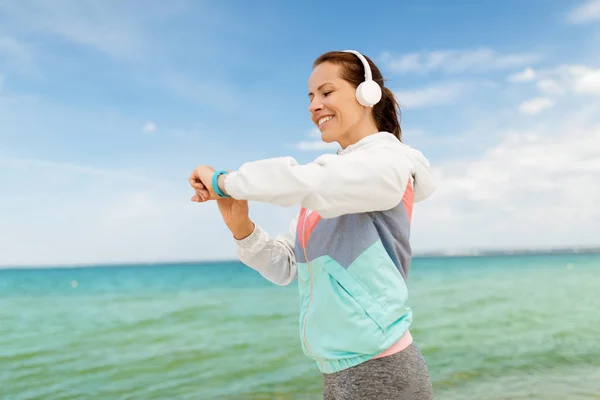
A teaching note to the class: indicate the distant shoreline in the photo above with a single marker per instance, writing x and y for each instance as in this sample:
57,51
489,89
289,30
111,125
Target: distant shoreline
421,255
510,252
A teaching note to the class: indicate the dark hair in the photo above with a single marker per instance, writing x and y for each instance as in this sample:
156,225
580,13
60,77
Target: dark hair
386,113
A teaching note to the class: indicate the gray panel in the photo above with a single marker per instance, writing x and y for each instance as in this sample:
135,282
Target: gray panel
343,238
393,227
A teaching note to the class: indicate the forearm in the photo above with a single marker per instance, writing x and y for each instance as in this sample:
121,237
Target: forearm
241,229
331,185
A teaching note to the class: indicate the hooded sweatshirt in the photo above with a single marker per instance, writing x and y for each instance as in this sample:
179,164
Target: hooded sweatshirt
348,247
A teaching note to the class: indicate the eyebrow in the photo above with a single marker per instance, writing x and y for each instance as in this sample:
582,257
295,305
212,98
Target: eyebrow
319,88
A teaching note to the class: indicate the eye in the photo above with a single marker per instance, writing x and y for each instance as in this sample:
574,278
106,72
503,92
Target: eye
327,93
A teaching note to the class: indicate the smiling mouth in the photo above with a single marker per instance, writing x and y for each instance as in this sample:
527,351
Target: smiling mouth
322,120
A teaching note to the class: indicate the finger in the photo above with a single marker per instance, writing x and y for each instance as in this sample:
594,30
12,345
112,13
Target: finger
202,193
199,188
194,179
196,184
199,199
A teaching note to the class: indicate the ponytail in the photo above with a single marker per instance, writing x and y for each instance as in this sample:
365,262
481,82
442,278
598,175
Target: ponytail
386,113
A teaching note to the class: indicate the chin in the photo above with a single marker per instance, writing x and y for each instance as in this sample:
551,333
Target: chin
329,137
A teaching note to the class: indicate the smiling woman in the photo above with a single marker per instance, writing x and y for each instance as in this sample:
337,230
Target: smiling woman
338,70
349,245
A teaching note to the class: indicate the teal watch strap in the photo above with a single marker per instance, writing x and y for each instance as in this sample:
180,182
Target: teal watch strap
215,184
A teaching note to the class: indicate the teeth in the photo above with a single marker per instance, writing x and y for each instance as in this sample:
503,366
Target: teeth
324,119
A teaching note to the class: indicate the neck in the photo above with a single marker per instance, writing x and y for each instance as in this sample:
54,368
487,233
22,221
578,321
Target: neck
358,132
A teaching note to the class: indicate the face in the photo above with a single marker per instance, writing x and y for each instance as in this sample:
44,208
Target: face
333,105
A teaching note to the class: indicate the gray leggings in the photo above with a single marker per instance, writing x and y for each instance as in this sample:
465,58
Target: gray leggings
400,376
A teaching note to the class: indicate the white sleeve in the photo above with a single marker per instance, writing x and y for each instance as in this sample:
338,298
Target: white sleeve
274,259
370,180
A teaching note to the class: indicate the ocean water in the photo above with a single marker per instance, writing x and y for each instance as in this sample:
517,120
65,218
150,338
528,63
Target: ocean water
525,327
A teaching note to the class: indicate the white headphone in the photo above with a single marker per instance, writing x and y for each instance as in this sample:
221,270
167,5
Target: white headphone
368,93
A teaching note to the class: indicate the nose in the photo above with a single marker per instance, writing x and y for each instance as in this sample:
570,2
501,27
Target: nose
315,105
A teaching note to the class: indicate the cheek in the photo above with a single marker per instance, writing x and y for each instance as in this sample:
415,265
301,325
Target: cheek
351,114
350,107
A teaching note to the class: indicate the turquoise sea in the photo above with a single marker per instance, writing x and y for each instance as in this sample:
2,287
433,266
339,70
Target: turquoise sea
512,327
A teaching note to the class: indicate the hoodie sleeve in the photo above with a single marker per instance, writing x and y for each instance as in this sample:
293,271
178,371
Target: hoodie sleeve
372,179
273,258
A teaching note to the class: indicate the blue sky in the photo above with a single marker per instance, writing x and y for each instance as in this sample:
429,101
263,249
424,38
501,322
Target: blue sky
106,106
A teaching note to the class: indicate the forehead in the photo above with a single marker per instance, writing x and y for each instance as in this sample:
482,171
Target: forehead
324,73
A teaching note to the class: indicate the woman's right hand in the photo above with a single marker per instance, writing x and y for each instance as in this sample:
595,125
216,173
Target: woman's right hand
236,216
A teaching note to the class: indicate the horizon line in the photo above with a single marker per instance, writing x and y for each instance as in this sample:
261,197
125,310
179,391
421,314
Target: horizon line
424,254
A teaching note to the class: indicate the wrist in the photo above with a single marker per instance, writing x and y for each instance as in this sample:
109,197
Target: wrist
241,230
221,184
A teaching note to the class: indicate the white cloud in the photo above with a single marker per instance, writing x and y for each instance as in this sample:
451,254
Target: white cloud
431,95
585,12
315,133
149,127
566,78
579,79
527,75
315,144
536,105
456,61
549,86
536,188
588,82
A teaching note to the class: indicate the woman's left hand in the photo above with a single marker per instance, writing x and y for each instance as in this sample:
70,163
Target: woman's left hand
201,182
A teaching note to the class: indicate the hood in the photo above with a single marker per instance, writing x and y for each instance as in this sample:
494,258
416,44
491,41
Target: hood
424,184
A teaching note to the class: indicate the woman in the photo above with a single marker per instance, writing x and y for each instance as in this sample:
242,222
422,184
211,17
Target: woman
349,245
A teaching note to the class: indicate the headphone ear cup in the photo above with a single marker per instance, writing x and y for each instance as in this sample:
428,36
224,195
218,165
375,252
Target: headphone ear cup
368,93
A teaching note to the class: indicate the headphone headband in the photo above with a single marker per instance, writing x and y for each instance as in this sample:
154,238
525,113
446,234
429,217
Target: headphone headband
368,75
